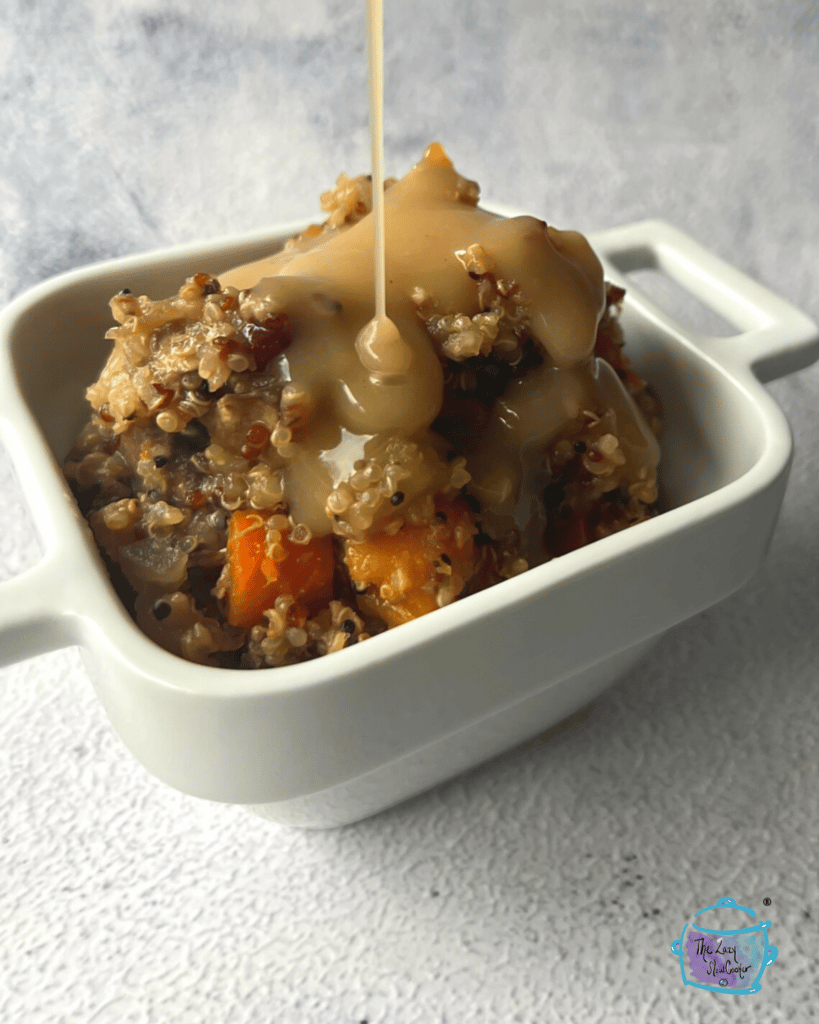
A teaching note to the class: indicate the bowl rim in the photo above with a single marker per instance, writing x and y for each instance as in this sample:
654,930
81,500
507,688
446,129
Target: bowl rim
93,614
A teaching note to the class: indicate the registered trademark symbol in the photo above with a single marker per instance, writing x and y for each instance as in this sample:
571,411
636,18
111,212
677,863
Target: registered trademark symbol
767,901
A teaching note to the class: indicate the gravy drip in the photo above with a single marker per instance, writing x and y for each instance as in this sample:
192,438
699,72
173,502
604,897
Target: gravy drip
370,375
375,66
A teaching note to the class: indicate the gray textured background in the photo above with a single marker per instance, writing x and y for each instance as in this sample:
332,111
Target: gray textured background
548,885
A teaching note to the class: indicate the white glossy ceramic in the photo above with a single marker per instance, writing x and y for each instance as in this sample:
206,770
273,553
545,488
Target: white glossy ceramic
337,739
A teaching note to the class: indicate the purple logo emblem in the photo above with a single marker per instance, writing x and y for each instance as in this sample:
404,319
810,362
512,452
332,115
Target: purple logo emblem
725,960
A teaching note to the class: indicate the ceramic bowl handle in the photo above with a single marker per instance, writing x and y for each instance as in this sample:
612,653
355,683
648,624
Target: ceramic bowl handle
29,621
37,608
774,337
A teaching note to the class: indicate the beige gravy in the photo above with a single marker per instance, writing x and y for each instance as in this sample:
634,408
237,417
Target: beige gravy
367,376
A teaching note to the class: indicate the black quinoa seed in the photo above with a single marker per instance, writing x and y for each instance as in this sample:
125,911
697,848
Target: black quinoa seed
161,610
618,494
397,498
124,291
580,447
441,517
212,287
446,559
348,626
553,495
160,461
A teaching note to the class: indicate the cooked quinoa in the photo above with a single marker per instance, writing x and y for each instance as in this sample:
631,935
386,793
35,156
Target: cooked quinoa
187,468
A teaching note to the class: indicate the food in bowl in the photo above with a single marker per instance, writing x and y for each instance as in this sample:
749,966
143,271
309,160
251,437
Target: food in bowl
270,481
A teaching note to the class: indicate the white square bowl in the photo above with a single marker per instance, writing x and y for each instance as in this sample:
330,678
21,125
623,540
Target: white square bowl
334,740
